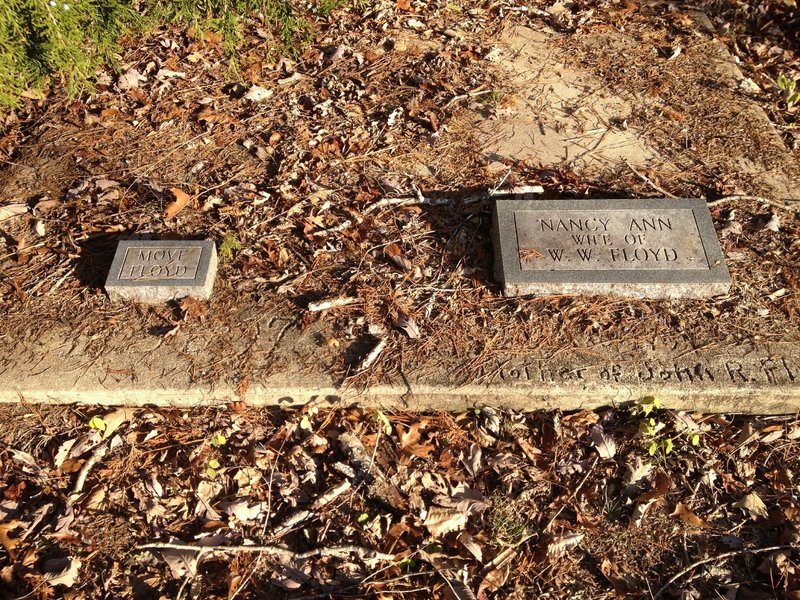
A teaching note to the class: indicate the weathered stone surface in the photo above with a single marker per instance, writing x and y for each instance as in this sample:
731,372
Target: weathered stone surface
153,271
286,365
664,248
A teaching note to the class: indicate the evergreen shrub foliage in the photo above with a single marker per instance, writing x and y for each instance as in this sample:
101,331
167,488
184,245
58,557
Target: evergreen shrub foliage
65,38
43,40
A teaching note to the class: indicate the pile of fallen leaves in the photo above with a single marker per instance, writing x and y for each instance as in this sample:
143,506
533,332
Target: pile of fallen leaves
229,503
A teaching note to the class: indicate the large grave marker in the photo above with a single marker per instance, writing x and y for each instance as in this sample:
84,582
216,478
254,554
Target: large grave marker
664,248
153,271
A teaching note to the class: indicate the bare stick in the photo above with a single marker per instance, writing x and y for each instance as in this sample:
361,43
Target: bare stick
296,518
372,356
752,198
335,229
471,94
337,551
709,559
648,181
98,453
331,303
417,199
331,494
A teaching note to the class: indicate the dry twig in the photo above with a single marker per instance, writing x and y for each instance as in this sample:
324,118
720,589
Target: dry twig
648,181
332,303
98,453
722,556
336,551
761,199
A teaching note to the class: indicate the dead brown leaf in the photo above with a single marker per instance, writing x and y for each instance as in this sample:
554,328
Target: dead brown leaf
62,571
603,443
410,440
661,485
192,308
182,200
441,521
395,254
12,210
581,418
496,572
9,543
753,504
560,545
690,518
95,499
114,419
408,324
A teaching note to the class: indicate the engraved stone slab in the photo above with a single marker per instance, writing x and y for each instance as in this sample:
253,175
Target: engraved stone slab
662,248
154,271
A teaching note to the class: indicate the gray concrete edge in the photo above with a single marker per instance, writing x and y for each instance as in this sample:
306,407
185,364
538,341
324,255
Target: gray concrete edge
424,397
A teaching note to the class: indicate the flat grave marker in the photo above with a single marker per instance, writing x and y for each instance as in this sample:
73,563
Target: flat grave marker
662,248
154,271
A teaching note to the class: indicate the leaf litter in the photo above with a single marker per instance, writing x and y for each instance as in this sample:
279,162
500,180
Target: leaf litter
341,503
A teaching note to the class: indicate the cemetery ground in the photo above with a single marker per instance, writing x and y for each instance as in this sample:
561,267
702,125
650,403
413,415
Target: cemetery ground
348,185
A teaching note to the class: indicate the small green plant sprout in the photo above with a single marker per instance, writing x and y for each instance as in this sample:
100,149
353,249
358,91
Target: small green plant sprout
407,564
647,405
790,89
509,519
218,440
612,507
362,518
648,426
211,468
230,246
666,445
97,423
305,421
386,426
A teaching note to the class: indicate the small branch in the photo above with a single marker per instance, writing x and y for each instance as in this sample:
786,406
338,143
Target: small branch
472,94
295,519
331,303
648,181
751,198
517,190
335,229
709,559
343,551
501,182
331,494
372,356
98,453
417,198
336,551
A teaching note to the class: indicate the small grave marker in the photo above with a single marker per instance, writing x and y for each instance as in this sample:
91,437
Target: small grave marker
662,248
154,271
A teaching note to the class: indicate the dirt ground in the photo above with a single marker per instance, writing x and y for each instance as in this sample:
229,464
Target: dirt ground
364,173
362,168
